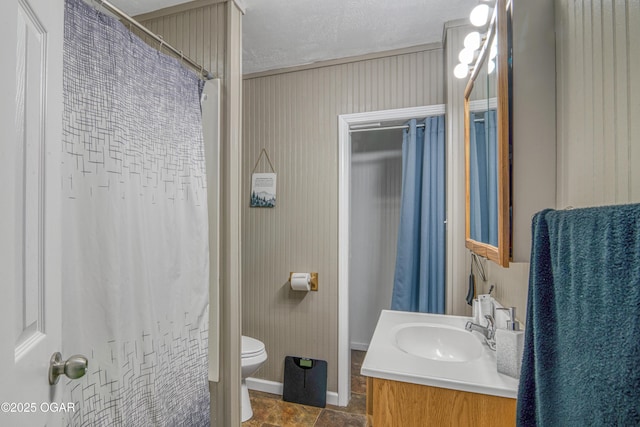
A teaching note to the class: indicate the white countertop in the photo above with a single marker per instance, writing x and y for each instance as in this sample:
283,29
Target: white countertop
386,361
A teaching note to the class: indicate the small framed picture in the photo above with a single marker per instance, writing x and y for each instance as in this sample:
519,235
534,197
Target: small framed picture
263,190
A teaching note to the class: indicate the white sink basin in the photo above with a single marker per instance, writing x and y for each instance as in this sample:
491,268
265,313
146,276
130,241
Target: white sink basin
434,350
438,342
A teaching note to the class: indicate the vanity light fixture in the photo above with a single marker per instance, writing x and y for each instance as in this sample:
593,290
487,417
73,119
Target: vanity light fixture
466,56
461,71
494,49
472,40
479,15
491,65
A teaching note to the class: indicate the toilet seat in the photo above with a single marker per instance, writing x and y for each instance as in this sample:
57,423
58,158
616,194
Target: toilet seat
251,347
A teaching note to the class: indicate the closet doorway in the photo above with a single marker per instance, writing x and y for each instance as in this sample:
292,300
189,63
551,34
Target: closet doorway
376,184
363,158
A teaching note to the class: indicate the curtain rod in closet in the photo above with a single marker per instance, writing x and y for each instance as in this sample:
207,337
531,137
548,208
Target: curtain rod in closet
383,128
113,9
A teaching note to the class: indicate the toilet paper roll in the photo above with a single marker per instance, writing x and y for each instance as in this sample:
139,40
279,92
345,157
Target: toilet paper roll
301,281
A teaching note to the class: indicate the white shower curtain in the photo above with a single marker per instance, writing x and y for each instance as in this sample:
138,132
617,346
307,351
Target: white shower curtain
135,249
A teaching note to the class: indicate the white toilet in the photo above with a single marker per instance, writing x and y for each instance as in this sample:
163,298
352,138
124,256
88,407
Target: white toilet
253,356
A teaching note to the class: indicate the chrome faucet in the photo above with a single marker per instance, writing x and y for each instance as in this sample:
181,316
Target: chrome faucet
487,331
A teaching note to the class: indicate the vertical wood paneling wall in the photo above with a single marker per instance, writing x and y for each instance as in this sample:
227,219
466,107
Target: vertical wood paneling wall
294,116
198,32
598,102
458,259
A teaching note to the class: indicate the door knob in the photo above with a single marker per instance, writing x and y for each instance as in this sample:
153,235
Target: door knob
74,367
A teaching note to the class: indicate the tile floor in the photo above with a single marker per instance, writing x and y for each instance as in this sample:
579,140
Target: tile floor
270,410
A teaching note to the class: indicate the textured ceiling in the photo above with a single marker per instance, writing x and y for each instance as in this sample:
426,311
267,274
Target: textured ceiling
283,33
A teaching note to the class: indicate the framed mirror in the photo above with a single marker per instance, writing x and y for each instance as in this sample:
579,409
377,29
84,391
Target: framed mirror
487,145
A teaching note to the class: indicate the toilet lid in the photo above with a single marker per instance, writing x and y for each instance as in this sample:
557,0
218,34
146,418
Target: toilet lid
251,346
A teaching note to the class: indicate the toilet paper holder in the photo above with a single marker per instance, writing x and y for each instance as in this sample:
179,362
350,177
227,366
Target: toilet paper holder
313,283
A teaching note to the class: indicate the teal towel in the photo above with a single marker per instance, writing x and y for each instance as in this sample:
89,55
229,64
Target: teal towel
581,363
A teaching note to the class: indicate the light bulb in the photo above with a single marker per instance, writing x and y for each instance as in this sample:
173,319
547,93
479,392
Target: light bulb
490,67
479,15
493,52
472,40
461,71
466,56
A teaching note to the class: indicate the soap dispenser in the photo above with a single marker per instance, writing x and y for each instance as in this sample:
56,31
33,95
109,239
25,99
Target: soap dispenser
509,346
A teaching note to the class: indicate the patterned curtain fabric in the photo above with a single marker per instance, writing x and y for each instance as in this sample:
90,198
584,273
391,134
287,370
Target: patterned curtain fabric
135,249
419,281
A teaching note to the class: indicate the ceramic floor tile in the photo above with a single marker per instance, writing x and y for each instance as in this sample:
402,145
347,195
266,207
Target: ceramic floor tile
357,405
253,422
262,407
331,418
255,393
283,414
358,384
269,410
357,357
292,415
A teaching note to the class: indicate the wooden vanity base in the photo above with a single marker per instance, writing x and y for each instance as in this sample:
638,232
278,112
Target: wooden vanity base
393,403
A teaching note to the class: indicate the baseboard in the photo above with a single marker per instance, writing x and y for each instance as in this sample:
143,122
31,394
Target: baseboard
360,346
264,386
274,387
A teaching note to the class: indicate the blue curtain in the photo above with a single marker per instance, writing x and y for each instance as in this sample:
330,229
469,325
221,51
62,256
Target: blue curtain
483,169
419,281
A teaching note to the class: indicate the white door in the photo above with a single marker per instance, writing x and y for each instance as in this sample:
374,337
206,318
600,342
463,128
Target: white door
31,35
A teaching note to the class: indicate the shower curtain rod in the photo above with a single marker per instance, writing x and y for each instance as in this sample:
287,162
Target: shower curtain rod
383,128
113,9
